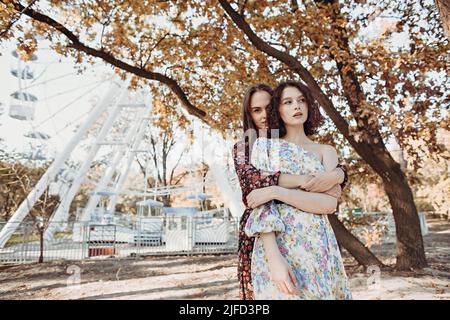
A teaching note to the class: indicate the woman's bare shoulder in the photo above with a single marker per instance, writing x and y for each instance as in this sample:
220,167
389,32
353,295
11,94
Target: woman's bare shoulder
326,149
320,146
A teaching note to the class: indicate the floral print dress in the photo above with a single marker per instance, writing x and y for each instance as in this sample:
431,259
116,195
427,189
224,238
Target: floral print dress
306,240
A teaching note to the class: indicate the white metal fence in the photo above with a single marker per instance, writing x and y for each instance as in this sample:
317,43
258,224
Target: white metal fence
148,236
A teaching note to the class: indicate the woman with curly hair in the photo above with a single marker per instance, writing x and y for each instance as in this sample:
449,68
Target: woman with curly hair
254,115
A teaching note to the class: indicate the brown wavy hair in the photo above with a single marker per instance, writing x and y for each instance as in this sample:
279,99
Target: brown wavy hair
314,119
251,132
246,112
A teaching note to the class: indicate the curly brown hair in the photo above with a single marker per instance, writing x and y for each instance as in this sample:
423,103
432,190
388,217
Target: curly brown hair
314,119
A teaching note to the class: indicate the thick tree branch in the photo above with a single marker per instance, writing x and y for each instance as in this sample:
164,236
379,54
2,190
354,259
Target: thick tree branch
78,45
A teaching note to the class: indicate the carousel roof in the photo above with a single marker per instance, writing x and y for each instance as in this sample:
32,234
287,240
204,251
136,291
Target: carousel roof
201,196
180,210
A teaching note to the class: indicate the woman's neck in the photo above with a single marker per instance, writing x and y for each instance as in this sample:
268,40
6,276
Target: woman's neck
296,134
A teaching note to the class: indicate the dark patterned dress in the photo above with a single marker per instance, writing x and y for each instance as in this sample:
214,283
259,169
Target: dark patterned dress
250,179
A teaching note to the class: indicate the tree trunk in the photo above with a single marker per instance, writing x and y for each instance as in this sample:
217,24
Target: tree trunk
410,248
41,242
166,200
355,247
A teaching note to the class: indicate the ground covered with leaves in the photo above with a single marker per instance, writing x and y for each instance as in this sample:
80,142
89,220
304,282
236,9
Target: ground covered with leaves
214,276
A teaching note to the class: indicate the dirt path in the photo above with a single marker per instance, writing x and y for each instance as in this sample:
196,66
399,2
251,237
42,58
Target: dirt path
213,277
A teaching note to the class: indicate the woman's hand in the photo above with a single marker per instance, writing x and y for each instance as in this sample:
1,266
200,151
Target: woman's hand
259,196
282,275
322,182
303,180
335,192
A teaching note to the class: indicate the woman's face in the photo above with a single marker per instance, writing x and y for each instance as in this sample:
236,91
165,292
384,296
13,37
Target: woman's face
259,103
293,107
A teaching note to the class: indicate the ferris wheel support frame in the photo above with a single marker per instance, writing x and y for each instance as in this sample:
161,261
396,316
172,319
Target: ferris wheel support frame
124,174
82,171
26,205
119,154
